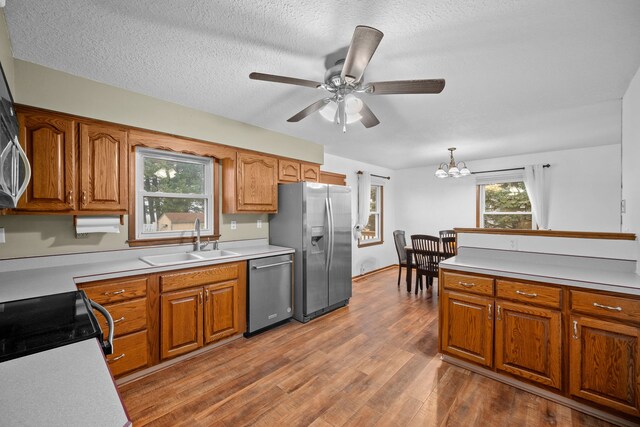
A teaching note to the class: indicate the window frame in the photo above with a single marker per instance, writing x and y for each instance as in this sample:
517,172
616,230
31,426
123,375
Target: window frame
209,194
380,204
480,207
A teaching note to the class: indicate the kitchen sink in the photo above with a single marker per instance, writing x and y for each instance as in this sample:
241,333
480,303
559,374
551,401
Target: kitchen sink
185,257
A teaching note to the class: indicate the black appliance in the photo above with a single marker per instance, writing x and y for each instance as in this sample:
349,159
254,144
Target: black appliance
15,171
33,325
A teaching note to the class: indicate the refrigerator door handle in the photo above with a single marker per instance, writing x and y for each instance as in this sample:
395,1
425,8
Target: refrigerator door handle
331,231
329,235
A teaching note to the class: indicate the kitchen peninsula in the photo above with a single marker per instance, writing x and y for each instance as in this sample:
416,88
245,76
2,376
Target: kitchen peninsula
544,312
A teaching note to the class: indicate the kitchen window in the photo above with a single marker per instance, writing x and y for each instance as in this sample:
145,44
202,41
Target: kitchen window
172,191
504,205
372,232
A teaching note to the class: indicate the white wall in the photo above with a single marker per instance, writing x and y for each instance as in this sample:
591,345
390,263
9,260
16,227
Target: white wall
371,257
631,158
583,188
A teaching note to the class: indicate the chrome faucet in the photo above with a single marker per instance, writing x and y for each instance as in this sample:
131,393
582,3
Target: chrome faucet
196,245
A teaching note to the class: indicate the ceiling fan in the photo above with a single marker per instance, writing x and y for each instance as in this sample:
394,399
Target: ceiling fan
344,80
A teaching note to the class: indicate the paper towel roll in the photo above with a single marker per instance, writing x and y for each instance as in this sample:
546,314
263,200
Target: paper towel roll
97,224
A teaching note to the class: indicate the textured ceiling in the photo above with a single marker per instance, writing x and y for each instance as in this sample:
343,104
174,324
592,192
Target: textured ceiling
522,76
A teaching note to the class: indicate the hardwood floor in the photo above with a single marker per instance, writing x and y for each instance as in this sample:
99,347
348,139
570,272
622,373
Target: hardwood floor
372,363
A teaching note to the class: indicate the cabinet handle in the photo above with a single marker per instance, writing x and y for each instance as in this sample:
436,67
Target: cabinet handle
490,314
206,295
70,197
121,291
467,285
526,294
84,198
607,307
499,313
115,359
575,329
119,320
200,296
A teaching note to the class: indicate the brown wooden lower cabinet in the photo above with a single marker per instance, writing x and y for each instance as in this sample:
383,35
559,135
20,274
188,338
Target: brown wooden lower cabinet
220,311
578,343
467,327
130,353
181,322
605,363
528,342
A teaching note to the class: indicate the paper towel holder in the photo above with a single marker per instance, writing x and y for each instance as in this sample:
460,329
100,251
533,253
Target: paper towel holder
75,218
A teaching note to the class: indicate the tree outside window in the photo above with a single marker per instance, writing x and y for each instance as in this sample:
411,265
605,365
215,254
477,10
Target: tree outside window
372,232
504,205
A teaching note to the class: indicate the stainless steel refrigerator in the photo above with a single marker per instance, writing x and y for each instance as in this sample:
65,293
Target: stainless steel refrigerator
315,220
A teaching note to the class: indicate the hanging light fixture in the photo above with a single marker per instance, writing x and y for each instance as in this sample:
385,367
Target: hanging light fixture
453,169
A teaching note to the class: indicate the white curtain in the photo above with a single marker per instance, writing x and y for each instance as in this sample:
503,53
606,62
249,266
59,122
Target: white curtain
534,182
364,198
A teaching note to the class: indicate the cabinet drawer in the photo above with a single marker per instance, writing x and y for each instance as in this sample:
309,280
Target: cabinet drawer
606,305
468,283
549,296
199,277
129,353
116,290
128,316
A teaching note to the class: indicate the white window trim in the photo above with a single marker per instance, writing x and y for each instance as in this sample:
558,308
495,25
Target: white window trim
208,194
482,204
378,215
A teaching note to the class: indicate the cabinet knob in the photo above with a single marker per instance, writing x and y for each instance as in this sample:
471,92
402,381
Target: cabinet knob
84,198
70,197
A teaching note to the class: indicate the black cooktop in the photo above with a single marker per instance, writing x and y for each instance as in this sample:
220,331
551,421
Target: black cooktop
32,325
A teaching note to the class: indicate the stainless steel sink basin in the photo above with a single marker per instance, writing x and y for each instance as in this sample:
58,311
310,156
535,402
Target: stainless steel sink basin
184,257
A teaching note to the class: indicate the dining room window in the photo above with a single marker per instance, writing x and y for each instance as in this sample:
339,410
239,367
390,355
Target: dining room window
172,191
504,205
372,232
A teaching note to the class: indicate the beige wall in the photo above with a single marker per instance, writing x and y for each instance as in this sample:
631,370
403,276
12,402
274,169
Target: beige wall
31,84
6,56
47,88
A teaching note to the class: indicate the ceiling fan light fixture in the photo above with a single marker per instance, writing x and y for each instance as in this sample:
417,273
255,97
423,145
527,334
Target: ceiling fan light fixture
353,110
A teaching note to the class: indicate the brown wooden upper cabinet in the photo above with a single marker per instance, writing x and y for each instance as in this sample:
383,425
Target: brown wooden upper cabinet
103,167
292,171
62,180
49,142
250,184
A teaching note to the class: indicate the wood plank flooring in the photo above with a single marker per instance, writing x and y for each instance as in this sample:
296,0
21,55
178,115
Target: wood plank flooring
372,363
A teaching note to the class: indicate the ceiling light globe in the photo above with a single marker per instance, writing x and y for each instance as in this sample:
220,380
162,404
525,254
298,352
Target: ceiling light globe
454,172
465,171
440,173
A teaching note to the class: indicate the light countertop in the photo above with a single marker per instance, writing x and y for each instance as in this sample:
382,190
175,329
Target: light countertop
582,276
45,278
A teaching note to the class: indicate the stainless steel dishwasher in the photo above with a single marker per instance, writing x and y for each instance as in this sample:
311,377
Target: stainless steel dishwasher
269,292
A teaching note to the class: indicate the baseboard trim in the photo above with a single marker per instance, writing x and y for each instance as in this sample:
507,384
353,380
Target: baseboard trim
614,419
372,272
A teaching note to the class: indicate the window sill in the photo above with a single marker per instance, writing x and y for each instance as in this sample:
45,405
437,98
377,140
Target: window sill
168,240
366,244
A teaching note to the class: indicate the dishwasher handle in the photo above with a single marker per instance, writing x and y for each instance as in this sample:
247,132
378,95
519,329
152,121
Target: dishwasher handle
260,267
107,346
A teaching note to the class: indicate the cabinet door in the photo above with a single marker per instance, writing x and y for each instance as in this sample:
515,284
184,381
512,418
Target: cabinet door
257,180
310,173
130,352
467,327
604,363
181,322
49,142
103,168
288,171
220,311
528,342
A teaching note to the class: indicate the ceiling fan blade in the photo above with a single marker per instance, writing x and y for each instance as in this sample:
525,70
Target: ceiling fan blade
368,119
283,79
309,110
406,86
364,43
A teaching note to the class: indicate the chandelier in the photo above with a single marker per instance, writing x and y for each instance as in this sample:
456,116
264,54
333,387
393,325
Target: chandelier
453,169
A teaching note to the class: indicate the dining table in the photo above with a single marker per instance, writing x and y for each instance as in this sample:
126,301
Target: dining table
409,249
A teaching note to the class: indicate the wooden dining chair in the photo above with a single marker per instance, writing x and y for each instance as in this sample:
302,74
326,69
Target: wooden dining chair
448,247
447,233
401,242
426,250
